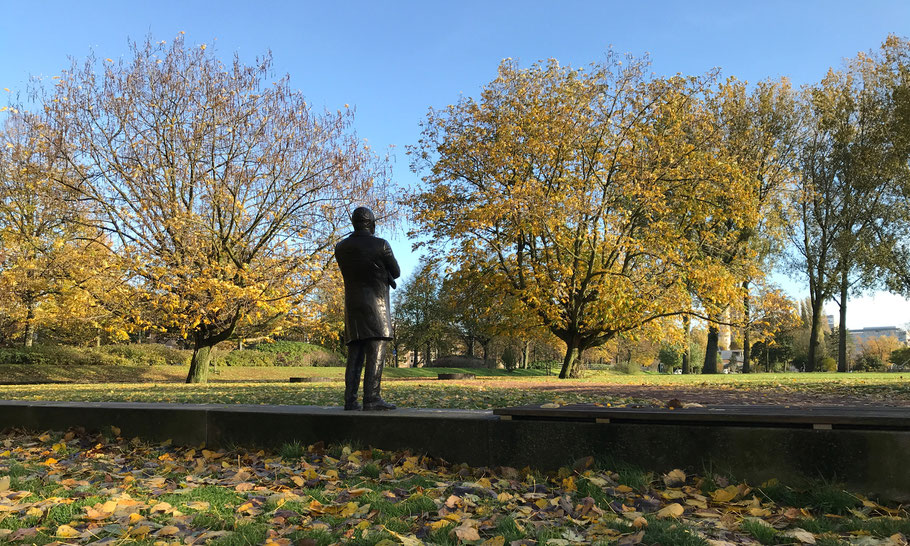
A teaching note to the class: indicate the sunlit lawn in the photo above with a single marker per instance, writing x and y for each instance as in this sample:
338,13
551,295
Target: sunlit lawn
408,387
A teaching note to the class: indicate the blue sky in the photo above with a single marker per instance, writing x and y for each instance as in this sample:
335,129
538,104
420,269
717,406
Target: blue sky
393,60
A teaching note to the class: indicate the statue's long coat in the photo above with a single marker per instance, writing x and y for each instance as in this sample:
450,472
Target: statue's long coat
369,268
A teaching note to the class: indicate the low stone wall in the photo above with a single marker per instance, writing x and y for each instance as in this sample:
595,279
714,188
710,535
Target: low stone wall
866,460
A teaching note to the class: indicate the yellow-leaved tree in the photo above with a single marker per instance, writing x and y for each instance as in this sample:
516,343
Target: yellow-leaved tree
51,262
591,190
222,189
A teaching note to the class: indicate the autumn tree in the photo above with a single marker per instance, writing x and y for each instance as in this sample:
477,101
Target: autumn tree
222,189
51,262
584,186
480,307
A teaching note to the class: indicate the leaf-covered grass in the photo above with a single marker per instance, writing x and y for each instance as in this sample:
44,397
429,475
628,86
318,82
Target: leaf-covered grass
77,489
412,394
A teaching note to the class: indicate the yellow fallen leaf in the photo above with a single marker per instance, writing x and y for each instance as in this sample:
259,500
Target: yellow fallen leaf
675,478
726,494
168,530
34,512
640,522
65,531
203,505
549,406
349,509
759,512
495,541
140,531
136,518
671,511
298,481
4,483
437,525
160,507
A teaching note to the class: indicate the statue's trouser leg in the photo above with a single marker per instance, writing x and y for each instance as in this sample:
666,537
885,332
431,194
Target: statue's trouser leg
352,372
374,357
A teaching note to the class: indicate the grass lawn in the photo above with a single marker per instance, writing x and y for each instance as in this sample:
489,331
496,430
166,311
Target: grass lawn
413,394
78,489
416,387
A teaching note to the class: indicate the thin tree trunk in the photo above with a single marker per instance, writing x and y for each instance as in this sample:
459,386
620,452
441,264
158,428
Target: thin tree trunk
30,324
526,354
842,325
710,365
687,347
747,333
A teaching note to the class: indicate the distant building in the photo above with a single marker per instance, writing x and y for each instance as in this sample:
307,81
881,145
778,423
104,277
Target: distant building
865,334
732,360
830,322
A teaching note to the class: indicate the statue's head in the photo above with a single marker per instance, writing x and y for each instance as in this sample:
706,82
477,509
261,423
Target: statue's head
362,218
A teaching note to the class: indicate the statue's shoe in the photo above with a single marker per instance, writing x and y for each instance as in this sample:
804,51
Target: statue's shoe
353,406
378,405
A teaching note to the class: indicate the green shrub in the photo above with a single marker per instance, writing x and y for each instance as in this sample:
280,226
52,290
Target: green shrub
628,368
871,363
246,358
150,354
59,355
509,358
280,353
827,364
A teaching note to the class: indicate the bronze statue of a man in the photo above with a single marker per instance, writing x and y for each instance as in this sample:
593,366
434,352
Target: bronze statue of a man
369,269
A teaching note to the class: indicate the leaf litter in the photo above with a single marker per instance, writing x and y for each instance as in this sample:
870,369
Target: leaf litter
78,488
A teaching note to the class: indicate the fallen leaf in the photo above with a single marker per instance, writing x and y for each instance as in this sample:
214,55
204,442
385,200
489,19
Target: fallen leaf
671,511
675,478
801,535
65,531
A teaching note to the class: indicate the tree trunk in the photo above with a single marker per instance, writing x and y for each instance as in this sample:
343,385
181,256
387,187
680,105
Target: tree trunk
842,325
199,366
568,362
470,345
202,351
687,347
815,335
29,324
710,365
747,333
526,355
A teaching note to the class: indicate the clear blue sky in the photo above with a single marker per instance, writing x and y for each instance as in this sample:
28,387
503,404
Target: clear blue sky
393,60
